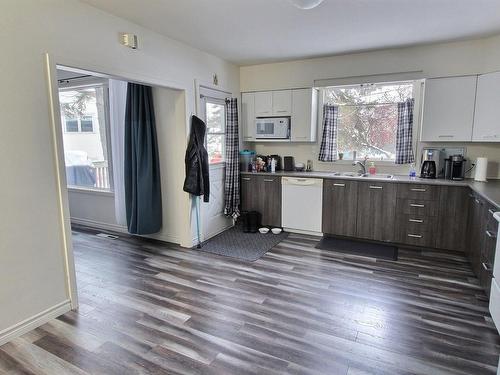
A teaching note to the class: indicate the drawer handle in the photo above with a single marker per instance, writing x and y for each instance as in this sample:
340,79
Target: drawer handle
414,235
471,195
339,185
246,178
268,180
418,189
415,220
486,266
445,136
375,187
417,205
281,111
490,234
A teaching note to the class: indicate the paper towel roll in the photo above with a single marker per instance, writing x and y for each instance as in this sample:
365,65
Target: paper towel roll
481,167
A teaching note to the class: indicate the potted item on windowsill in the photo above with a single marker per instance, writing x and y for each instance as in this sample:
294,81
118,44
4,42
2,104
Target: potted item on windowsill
341,155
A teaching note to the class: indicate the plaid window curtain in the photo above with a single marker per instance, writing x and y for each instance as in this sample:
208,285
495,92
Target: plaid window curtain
232,181
404,135
328,149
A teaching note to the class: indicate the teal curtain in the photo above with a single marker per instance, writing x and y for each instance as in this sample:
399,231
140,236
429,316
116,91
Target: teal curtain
142,163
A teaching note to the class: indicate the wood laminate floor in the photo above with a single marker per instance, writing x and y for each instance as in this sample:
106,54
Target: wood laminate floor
154,308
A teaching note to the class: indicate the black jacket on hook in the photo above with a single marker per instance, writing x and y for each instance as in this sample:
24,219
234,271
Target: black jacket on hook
197,180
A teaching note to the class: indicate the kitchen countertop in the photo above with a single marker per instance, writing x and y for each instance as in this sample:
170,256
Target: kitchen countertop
488,190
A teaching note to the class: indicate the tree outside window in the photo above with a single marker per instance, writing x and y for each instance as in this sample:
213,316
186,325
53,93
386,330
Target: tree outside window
368,117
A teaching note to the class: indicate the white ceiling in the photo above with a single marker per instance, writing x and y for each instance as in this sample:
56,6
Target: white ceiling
256,31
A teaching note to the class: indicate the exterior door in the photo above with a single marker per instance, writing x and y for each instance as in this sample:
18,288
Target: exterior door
213,112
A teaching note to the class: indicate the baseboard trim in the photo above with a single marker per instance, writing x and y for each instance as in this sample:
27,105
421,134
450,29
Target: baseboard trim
299,231
99,225
35,321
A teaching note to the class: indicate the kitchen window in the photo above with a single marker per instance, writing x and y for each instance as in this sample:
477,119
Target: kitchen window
216,130
368,116
87,152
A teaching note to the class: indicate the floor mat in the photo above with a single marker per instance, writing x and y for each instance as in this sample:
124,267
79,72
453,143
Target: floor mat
235,243
374,250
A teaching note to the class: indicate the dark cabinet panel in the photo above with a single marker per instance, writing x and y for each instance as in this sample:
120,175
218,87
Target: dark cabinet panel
475,230
376,211
414,191
490,227
452,219
249,193
270,198
417,207
340,201
262,194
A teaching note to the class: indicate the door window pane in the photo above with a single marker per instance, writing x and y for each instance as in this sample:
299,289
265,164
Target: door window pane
85,145
216,126
215,118
215,148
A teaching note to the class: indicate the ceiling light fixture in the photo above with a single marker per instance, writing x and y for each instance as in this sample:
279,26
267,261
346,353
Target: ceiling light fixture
306,4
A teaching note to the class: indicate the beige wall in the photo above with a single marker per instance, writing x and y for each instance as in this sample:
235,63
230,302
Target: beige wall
446,59
31,250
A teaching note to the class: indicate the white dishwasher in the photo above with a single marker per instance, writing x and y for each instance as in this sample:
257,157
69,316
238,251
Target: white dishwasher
302,204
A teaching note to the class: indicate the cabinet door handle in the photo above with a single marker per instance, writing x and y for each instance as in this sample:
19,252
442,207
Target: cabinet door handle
268,180
281,111
478,201
375,187
491,211
446,136
246,178
339,185
417,205
490,234
414,235
471,195
415,220
486,266
418,189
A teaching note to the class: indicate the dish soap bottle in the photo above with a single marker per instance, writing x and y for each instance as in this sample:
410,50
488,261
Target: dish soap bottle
413,172
372,170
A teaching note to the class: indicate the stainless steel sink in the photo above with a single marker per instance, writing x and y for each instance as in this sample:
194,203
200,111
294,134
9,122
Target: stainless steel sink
363,175
378,175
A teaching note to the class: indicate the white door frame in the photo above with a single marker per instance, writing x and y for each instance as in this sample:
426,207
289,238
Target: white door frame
217,93
51,62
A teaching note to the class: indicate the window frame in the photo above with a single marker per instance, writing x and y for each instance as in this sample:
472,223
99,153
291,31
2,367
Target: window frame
418,85
107,128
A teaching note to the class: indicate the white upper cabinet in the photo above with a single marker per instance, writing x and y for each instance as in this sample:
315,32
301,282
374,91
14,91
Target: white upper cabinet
248,115
449,109
264,104
282,103
304,115
486,119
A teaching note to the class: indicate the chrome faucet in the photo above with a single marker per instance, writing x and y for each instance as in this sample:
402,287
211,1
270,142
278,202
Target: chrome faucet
362,164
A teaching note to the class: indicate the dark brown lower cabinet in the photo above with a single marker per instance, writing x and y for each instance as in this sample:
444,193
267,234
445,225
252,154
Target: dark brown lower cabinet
376,211
340,202
262,194
452,218
488,248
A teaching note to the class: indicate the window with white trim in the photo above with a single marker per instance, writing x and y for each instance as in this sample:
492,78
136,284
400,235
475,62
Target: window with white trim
84,118
368,116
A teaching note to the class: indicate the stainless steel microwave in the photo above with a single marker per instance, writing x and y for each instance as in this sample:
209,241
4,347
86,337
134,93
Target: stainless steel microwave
272,128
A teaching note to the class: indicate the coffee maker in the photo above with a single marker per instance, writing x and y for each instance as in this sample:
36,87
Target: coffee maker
454,167
432,165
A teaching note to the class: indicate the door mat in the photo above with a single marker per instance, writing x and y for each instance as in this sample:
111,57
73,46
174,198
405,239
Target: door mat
375,250
234,243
